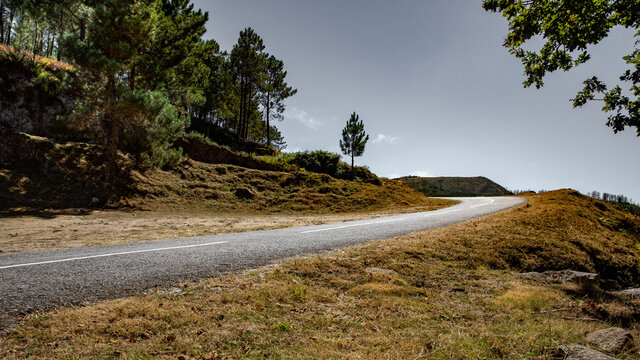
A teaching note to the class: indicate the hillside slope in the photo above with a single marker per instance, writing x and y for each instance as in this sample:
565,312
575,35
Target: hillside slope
38,173
455,186
222,187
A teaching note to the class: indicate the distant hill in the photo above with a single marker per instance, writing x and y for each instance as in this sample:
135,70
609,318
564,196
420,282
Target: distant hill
455,186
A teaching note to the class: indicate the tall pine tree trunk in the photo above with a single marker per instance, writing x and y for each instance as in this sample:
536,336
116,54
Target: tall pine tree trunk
132,78
52,36
60,34
352,174
247,115
41,48
240,115
35,40
111,125
1,22
11,14
268,126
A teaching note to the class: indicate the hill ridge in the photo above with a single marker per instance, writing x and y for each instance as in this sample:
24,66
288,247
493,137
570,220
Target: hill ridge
455,186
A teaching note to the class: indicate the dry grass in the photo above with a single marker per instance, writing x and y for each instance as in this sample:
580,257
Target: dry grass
227,188
197,199
47,63
292,313
37,173
412,297
556,230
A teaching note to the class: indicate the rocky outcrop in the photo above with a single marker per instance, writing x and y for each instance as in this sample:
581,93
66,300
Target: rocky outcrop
30,102
612,339
563,276
633,293
579,352
37,172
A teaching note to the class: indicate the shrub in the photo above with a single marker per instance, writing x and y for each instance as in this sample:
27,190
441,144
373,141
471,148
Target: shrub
152,127
318,161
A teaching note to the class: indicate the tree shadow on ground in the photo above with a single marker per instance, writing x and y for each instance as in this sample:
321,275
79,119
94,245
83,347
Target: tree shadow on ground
29,191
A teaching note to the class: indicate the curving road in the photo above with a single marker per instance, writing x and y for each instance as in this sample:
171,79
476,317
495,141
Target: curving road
43,280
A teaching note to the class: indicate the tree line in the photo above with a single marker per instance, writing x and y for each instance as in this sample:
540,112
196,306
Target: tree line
147,72
611,197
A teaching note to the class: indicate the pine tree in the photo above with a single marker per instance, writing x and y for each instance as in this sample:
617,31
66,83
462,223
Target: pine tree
177,59
247,64
354,139
274,91
118,35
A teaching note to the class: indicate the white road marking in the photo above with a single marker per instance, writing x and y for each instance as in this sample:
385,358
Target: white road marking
375,222
352,225
111,254
485,204
391,220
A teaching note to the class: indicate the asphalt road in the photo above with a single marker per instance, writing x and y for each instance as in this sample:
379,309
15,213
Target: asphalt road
44,280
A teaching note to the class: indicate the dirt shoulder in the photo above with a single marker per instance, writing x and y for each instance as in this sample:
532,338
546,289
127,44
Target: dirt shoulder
72,229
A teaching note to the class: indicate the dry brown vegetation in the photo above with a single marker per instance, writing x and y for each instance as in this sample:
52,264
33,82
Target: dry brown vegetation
38,173
50,194
198,199
428,295
229,188
555,230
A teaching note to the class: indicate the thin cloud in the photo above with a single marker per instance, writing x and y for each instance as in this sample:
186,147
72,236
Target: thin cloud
386,139
303,117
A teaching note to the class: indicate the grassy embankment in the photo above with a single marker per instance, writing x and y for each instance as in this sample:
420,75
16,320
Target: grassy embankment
446,293
46,188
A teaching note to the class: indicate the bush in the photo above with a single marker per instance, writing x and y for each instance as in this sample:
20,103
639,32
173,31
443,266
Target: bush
319,161
153,125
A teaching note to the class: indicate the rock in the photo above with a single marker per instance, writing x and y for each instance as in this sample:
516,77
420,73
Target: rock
611,339
244,193
629,293
579,352
95,200
576,277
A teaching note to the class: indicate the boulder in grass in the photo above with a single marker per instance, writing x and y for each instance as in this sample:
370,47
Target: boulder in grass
628,293
579,352
564,276
612,339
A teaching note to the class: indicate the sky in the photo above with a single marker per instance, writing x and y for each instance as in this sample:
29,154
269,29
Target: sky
438,93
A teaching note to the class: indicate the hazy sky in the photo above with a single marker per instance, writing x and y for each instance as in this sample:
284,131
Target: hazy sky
438,93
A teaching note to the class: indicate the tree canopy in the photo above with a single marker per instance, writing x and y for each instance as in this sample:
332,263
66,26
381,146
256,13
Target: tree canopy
354,138
147,72
569,28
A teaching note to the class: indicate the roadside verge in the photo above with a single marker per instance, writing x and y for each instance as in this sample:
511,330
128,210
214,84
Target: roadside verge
449,292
